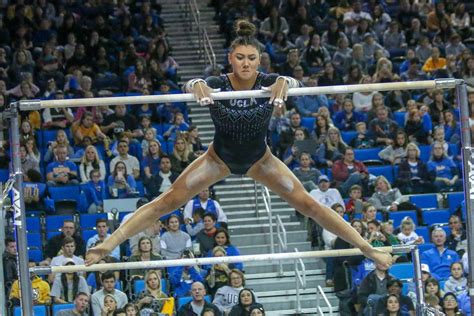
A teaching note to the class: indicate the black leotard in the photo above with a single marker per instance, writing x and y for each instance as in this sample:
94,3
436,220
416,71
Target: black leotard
241,124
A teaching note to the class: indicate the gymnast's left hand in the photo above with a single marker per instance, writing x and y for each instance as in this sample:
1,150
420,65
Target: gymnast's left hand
94,254
279,92
382,258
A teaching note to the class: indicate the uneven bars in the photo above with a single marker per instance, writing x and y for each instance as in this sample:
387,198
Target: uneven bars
31,105
212,260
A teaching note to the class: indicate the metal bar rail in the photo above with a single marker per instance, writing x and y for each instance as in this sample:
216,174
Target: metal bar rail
320,293
300,279
267,200
282,240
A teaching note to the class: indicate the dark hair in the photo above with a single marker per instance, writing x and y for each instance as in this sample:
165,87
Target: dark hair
93,171
9,240
211,215
81,293
68,240
75,285
33,175
171,216
375,222
226,233
391,282
206,310
107,275
245,31
199,211
257,306
101,220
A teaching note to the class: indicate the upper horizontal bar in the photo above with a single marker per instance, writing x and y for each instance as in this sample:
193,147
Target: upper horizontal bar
30,105
211,260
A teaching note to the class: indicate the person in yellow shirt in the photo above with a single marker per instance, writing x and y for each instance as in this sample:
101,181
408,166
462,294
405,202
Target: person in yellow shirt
86,127
435,62
40,288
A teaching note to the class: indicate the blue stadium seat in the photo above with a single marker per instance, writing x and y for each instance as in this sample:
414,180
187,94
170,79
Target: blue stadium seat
33,224
140,188
425,201
425,246
405,288
55,222
187,299
424,232
121,215
386,171
87,221
59,307
61,193
308,123
35,255
50,235
402,270
161,128
139,285
425,152
435,217
4,175
48,135
399,117
34,241
88,233
398,216
348,136
454,201
38,310
367,154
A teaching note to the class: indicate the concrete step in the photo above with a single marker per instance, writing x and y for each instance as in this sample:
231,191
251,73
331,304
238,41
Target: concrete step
304,311
258,239
263,219
283,284
251,213
259,249
286,300
262,268
235,230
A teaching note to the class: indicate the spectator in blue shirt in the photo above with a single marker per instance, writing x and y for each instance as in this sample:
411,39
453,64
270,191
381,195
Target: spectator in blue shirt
443,170
95,192
61,171
439,258
308,105
102,228
347,119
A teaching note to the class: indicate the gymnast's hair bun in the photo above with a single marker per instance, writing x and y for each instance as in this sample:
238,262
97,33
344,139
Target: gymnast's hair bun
245,28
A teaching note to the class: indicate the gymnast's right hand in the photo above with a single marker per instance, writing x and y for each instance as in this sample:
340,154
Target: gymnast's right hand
94,254
202,93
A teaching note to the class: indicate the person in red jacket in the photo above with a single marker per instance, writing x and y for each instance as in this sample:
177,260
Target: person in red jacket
347,171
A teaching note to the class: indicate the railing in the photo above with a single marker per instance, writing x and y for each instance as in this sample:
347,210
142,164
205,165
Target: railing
320,293
300,279
268,208
282,240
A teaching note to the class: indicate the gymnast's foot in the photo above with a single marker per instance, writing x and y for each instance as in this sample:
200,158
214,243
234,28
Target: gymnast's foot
94,255
382,258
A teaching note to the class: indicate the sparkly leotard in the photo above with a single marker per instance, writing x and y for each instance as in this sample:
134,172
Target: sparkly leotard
241,124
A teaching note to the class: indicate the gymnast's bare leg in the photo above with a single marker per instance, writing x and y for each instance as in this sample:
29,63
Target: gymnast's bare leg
202,173
274,174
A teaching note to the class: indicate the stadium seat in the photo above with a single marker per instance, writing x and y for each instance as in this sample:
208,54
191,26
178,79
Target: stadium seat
61,193
348,136
140,188
50,235
308,123
161,128
367,154
33,224
399,117
88,233
402,270
386,171
139,285
4,175
398,216
59,307
35,255
121,215
38,310
187,299
34,241
55,222
425,246
48,135
87,221
424,232
454,201
425,201
425,152
435,217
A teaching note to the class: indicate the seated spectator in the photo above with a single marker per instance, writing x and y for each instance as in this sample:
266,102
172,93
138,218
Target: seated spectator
194,141
457,239
371,47
347,119
347,171
161,181
375,236
81,305
121,184
438,136
10,271
369,213
423,50
413,175
363,138
456,283
32,149
217,274
67,286
443,170
181,156
177,127
434,62
450,304
343,55
57,118
195,224
315,55
413,73
61,139
205,238
306,173
198,303
131,309
405,304
415,127
202,200
332,149
222,239
98,298
152,299
91,161
94,280
286,131
383,128
325,195
377,102
452,129
28,162
38,286
181,278
227,296
62,171
131,162
86,127
174,242
439,258
94,191
120,122
292,155
355,203
329,240
67,250
432,288
278,47
144,252
308,105
438,106
407,234
153,233
110,306
54,245
139,78
293,60
101,226
384,73
167,63
246,300
373,287
396,152
363,100
152,157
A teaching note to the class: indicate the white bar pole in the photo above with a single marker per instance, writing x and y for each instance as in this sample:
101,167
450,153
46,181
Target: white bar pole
188,97
211,260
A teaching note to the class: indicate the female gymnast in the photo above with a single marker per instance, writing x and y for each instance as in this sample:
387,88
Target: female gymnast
239,147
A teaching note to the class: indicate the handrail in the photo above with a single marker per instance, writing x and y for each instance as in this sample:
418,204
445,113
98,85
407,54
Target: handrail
268,209
300,281
282,239
319,291
208,49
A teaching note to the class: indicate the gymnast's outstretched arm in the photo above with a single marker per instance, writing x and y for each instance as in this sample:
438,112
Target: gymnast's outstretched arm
274,174
202,173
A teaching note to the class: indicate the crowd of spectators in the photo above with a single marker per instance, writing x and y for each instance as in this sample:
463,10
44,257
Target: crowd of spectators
67,50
